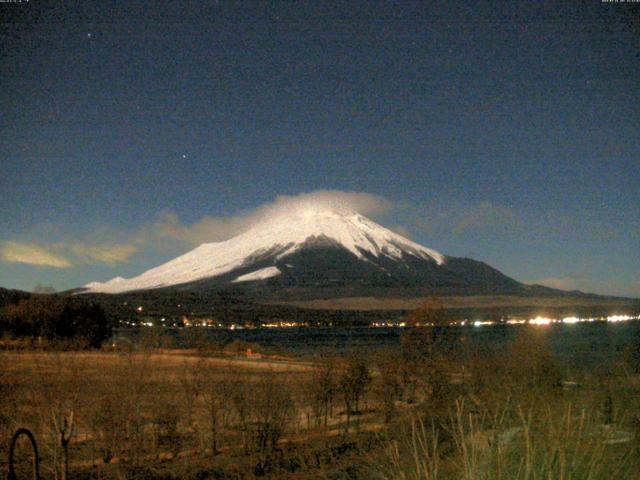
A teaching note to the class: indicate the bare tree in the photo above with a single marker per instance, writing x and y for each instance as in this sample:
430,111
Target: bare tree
108,423
389,385
133,375
264,410
353,382
58,394
191,379
321,390
216,394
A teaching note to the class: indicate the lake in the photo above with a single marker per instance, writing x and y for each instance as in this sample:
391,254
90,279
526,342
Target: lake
589,343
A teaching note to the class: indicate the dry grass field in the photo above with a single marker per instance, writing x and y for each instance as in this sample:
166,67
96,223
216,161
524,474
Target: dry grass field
129,412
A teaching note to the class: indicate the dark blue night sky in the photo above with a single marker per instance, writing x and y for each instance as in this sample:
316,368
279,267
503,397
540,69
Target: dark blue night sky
504,131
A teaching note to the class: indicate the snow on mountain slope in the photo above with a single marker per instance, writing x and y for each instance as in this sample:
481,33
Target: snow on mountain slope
275,238
259,274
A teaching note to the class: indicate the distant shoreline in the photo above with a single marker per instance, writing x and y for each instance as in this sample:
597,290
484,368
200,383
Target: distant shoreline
455,302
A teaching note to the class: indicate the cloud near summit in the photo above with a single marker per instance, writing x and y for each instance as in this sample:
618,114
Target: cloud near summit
217,229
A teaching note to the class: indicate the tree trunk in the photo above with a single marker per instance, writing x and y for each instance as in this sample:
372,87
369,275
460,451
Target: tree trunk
65,460
214,433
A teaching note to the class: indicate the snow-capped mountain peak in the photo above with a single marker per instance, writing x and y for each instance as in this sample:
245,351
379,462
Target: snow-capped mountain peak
272,239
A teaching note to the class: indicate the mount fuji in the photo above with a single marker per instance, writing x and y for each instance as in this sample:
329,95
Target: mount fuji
315,247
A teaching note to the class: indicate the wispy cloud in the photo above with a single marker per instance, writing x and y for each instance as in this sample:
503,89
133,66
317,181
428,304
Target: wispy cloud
105,254
364,203
207,229
62,255
32,254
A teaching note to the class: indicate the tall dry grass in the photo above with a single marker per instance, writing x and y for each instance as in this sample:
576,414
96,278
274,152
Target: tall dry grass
569,444
517,414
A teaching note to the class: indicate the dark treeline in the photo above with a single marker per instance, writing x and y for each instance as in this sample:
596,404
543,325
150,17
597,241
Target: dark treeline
55,317
229,307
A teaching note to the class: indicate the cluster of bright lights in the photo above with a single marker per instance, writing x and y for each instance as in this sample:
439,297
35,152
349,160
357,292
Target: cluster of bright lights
384,324
621,318
284,325
479,323
539,320
571,320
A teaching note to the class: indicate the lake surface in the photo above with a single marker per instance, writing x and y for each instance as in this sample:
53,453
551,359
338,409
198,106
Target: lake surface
580,343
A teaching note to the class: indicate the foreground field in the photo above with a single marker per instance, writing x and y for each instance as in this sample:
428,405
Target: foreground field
158,413
428,409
